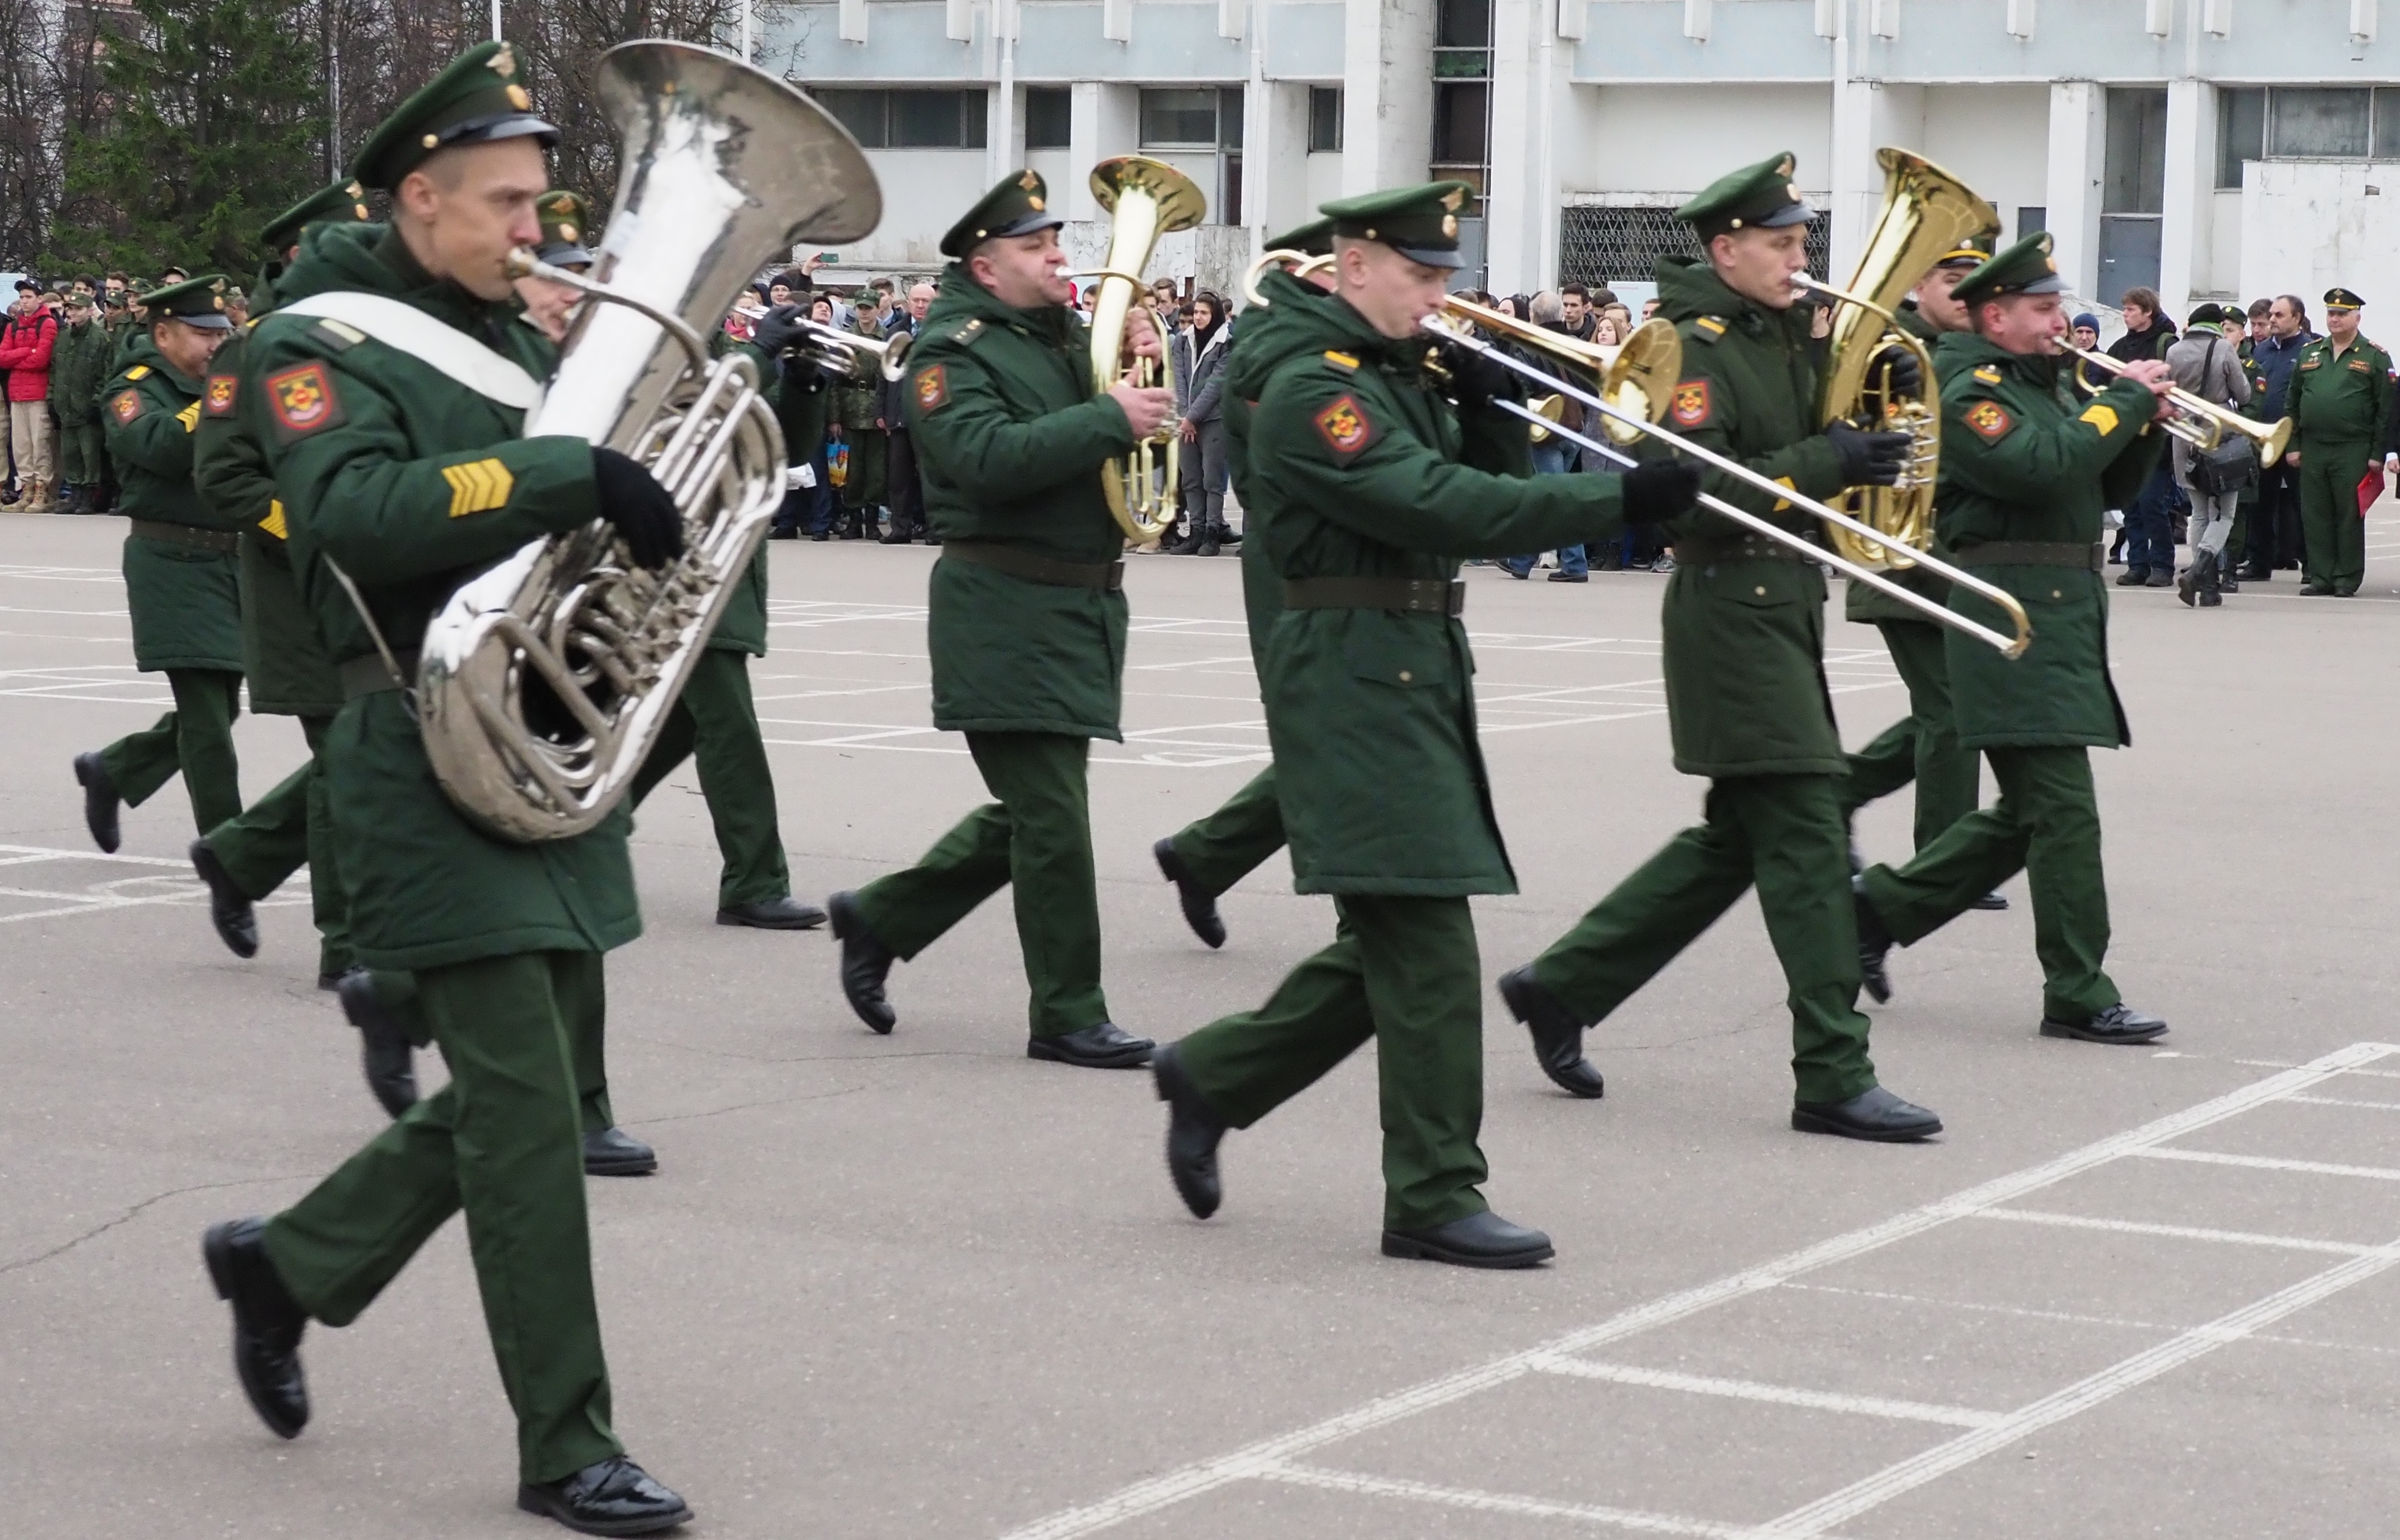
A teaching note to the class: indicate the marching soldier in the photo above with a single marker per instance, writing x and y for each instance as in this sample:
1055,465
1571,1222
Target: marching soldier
1027,619
182,579
2341,404
406,481
1923,745
1747,705
1204,859
1372,487
2026,476
290,673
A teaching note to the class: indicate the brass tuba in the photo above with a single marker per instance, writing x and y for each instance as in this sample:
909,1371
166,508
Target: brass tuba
1146,198
546,679
1926,213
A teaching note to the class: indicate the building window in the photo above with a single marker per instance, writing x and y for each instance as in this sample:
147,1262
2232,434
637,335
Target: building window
1049,118
2241,131
909,119
2031,217
2133,175
2304,123
1461,94
1203,119
1324,119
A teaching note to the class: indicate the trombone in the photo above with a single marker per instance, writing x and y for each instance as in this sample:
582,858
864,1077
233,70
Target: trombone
1297,264
2197,420
1626,426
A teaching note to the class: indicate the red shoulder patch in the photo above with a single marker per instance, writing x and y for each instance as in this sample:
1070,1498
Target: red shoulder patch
219,395
1989,419
126,405
1344,427
303,400
1691,405
933,388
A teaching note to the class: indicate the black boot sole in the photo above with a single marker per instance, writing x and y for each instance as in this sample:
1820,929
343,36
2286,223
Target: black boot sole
1124,1059
217,1249
2051,1028
1409,1249
533,1500
1814,1122
813,919
648,1167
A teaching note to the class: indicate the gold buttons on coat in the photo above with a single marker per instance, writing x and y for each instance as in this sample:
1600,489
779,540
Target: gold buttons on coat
1760,590
1406,677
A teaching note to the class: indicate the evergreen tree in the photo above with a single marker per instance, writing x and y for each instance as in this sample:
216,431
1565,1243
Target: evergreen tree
214,127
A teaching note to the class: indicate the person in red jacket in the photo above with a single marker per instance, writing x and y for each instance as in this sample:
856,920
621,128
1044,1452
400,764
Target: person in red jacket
25,347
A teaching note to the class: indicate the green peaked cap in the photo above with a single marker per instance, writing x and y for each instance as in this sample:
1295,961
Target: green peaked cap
1759,196
2026,267
1018,206
475,100
1420,222
343,203
198,301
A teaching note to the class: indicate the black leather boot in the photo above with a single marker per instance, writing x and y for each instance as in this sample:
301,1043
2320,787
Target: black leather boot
1478,1240
1558,1036
865,963
613,1496
1194,1131
386,1056
266,1323
1199,904
229,907
1874,943
99,800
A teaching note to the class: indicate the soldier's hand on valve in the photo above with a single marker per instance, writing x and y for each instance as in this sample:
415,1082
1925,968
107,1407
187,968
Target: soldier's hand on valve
1141,337
1478,379
1657,490
631,499
1867,459
1903,376
2154,374
1145,408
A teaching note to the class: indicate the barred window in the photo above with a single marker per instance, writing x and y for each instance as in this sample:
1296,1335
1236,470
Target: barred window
1617,245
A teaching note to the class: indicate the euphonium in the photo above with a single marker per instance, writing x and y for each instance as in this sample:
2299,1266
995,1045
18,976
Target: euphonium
1926,213
1146,198
546,679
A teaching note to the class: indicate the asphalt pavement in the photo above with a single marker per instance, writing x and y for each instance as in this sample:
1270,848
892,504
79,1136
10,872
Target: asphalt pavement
919,1285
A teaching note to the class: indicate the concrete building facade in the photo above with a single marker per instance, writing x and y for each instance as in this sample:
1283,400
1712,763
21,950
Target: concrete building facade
2206,148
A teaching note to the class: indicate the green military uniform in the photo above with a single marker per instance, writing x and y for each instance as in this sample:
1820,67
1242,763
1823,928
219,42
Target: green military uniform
1743,633
857,406
413,481
1027,616
1923,745
290,671
182,578
78,368
2340,408
1229,844
2026,473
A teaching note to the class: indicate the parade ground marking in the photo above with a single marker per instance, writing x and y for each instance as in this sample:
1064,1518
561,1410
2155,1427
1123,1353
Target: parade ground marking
1277,1460
157,881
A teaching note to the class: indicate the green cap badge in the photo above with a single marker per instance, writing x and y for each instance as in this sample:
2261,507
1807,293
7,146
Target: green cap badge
475,101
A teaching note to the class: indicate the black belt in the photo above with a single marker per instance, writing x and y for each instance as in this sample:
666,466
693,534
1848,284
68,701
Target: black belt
369,675
225,542
1108,576
2092,558
1413,595
1757,548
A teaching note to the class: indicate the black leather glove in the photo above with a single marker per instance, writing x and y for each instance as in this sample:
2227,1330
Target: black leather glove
1867,459
777,330
631,499
1901,373
1657,490
1478,379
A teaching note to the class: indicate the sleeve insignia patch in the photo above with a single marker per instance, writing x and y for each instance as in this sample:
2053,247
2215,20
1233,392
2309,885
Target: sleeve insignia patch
2101,415
274,524
303,399
220,395
1344,428
477,486
126,405
139,372
189,416
1987,374
933,388
1989,419
1691,405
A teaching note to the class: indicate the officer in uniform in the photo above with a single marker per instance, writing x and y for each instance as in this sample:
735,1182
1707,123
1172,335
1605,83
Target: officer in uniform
408,481
1923,745
1372,487
290,673
2340,406
1026,623
182,579
2026,473
1204,859
1743,630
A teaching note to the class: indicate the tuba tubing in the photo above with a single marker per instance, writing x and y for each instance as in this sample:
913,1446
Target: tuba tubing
1145,200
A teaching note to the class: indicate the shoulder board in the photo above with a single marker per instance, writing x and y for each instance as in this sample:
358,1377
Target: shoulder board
968,332
1343,361
1987,374
339,335
251,323
139,372
1710,327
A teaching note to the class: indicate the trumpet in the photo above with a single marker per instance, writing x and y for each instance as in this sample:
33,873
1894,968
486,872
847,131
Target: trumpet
849,354
1638,425
1297,264
2195,419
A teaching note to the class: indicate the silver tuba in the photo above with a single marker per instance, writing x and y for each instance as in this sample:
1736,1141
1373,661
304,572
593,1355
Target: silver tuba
546,679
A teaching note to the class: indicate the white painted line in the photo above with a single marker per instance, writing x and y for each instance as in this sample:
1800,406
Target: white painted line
46,852
2345,1101
2174,1231
1865,1495
1753,1390
2073,1319
1186,1482
1494,1502
2270,1163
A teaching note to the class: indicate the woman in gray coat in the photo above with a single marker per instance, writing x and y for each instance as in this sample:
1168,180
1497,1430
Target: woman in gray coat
1200,351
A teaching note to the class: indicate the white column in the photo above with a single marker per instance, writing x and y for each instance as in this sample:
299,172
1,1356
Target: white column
2190,194
1522,206
1103,120
1868,114
1387,98
2078,141
1276,172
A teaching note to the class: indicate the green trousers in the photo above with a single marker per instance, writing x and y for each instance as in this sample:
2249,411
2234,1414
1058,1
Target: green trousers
502,1141
2046,824
1784,834
267,841
1233,842
1404,971
195,738
715,721
863,486
2333,537
81,457
1037,841
1921,747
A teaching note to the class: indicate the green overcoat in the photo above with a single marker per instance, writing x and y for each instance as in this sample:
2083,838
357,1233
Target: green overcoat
797,396
359,435
1863,601
1010,437
78,368
1255,334
1744,635
186,602
2344,400
2022,461
1362,469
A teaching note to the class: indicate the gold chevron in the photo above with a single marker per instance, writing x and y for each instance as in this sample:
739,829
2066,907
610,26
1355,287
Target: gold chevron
189,416
273,524
477,486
